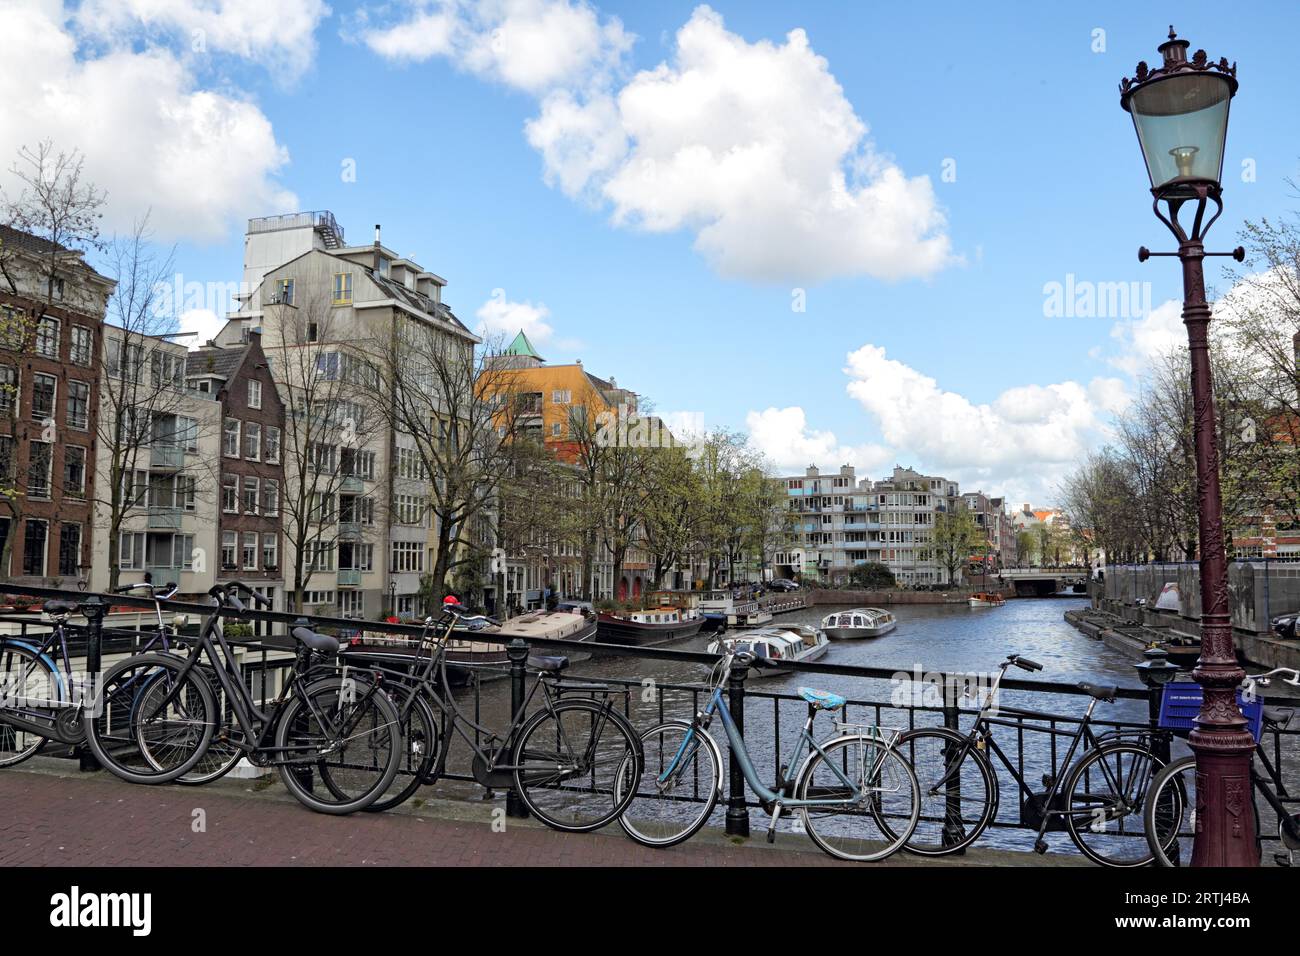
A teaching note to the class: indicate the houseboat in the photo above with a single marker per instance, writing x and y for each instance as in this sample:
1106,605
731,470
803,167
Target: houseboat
857,623
669,616
723,609
986,599
776,645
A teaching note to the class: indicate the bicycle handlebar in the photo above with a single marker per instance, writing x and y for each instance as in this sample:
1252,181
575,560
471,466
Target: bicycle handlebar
225,594
1027,664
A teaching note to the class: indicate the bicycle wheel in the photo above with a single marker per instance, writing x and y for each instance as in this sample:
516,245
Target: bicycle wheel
1169,815
223,752
882,785
1105,795
26,682
958,789
344,733
141,735
421,748
671,807
568,763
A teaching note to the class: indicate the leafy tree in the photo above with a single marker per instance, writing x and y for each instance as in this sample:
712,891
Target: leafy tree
956,536
872,576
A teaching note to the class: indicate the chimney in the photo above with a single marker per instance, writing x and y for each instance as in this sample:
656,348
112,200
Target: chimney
376,262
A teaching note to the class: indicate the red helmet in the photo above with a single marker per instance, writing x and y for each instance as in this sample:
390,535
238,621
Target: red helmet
451,599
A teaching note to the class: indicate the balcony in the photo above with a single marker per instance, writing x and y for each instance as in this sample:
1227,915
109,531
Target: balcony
351,485
349,531
166,456
165,519
349,578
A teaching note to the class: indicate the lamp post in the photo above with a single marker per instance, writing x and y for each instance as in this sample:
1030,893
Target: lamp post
1180,112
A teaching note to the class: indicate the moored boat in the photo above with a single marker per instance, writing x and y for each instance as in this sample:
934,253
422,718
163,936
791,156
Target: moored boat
859,622
724,609
777,646
986,599
670,616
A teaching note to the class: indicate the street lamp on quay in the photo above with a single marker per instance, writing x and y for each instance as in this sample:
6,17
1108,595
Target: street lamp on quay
1180,112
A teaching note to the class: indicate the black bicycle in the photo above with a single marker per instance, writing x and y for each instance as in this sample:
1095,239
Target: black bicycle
39,695
332,735
563,760
1169,817
1097,800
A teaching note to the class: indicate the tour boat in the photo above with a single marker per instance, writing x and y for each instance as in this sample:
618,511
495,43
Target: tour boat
725,610
671,616
859,622
777,645
987,599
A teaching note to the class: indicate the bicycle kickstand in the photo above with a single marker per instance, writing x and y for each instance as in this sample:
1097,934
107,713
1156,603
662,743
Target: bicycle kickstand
771,827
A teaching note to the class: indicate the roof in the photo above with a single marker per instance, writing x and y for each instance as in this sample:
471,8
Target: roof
18,239
521,346
212,360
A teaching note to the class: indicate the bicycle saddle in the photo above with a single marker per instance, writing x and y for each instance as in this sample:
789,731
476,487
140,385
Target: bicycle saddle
1099,691
317,642
822,699
53,607
1279,716
549,663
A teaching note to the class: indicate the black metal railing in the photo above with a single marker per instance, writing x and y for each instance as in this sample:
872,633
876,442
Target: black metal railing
760,714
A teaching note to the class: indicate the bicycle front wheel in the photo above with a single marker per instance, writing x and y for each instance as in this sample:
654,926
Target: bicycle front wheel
29,688
959,793
872,799
339,745
1169,816
679,787
577,765
1105,797
421,749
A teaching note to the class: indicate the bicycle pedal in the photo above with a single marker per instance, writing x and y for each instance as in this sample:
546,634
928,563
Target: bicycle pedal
1040,847
1048,780
1282,859
771,829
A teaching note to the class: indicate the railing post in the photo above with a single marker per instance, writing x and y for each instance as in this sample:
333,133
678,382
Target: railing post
94,608
737,812
952,797
517,652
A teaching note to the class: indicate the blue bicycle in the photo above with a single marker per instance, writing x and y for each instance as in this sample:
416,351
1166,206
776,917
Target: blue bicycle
854,793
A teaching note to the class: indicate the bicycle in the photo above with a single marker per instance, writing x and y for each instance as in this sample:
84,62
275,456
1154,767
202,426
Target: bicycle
847,788
562,759
37,703
1091,799
1169,816
338,728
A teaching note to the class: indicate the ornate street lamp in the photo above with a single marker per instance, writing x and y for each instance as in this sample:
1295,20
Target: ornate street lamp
1180,111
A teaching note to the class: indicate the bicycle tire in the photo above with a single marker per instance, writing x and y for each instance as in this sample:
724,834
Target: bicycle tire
892,770
944,831
50,679
1162,824
1147,766
421,749
537,782
113,735
677,827
297,719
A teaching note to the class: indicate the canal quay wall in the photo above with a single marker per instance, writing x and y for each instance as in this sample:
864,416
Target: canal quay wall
1124,614
879,598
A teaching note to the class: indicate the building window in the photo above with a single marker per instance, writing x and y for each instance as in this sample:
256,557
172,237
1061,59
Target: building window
82,345
78,404
47,337
229,544
284,291
272,445
230,494
6,461
8,387
39,461
561,396
230,438
270,497
250,551
74,471
44,388
342,288
350,603
270,551
251,490
408,556
34,549
254,394
252,441
69,549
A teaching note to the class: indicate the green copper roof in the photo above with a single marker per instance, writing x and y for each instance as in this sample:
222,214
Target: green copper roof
521,346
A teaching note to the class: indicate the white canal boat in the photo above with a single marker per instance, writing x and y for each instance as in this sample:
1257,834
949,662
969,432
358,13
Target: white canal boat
777,645
859,622
725,610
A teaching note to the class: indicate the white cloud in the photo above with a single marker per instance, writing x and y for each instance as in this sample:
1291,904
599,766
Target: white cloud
784,438
203,322
1144,341
503,318
752,147
278,33
1022,442
151,136
531,45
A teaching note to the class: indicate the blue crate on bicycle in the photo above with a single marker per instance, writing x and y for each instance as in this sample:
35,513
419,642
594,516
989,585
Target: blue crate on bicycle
1181,702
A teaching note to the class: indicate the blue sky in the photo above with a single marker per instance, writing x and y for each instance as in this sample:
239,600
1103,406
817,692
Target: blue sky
681,285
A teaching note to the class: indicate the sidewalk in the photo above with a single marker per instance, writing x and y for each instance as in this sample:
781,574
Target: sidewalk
53,815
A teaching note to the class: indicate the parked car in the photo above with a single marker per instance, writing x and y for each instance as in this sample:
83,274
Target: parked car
782,584
1284,625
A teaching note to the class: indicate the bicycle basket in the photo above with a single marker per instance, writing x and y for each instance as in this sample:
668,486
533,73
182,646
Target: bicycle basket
1180,702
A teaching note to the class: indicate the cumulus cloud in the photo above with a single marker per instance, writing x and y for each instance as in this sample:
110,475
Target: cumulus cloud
204,323
500,317
784,438
151,135
1143,342
751,147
